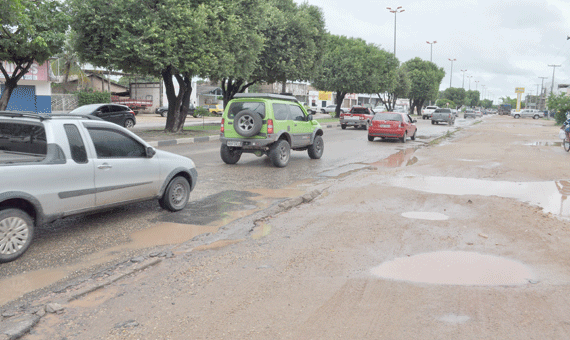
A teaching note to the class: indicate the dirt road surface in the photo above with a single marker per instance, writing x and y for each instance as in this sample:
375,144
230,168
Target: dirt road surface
469,239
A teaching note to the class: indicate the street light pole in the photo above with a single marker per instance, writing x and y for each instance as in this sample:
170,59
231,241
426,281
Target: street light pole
553,69
431,49
476,83
542,90
451,75
395,11
469,82
463,84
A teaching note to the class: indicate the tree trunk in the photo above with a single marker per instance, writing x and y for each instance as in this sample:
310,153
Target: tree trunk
11,82
231,87
284,87
177,104
339,99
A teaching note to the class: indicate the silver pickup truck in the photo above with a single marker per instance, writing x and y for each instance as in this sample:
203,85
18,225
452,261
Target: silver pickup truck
443,116
57,166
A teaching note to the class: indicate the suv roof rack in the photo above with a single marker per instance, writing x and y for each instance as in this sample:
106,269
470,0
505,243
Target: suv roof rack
266,95
67,115
25,114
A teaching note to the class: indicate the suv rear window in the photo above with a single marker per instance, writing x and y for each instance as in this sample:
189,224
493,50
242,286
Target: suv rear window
388,116
21,142
236,107
359,110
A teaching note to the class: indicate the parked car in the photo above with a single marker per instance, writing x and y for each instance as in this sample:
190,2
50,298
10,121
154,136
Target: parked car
472,114
268,124
426,113
310,109
358,116
216,109
527,113
54,166
332,108
443,116
114,113
379,108
392,125
163,110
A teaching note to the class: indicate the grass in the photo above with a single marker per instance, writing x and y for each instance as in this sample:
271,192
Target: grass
327,120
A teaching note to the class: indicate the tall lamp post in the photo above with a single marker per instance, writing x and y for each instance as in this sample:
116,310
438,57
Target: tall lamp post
469,82
395,11
483,86
463,85
476,83
431,49
451,75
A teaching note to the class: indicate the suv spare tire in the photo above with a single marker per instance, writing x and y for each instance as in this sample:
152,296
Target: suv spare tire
247,123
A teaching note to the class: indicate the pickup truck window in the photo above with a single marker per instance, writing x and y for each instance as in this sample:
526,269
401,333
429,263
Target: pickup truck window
114,144
360,110
78,152
21,142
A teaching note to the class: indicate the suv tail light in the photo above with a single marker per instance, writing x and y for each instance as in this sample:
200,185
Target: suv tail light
222,126
269,126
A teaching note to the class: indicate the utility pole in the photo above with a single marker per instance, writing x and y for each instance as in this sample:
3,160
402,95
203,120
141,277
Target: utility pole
553,69
431,50
542,91
469,82
463,84
451,75
395,11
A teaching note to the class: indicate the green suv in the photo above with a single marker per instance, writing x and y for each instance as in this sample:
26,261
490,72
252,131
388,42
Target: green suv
268,124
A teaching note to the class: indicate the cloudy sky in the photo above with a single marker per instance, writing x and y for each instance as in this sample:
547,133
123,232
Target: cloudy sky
500,44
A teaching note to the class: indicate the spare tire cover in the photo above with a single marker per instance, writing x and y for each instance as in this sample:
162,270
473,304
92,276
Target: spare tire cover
247,123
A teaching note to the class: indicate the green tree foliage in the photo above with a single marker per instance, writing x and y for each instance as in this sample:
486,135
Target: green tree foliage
93,97
471,98
486,103
455,95
167,38
398,87
350,65
425,79
512,102
447,103
32,30
560,104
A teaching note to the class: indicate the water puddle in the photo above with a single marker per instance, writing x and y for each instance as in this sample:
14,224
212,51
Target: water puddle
543,143
261,230
401,158
344,170
19,285
216,245
456,268
425,215
454,319
551,196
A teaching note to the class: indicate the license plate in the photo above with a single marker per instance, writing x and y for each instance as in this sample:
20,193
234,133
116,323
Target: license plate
230,143
384,125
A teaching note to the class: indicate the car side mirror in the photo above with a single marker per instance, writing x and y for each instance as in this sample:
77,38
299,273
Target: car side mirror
414,121
150,152
309,117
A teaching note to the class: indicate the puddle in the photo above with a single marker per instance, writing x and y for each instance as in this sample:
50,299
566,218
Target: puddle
344,170
167,233
216,245
421,215
551,196
456,268
544,144
401,158
455,319
261,230
19,285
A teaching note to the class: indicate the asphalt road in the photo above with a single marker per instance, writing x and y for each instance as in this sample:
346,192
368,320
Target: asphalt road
78,245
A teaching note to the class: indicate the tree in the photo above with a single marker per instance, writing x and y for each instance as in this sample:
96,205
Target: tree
486,103
168,38
399,88
350,65
443,102
560,104
471,98
455,95
425,79
512,102
32,30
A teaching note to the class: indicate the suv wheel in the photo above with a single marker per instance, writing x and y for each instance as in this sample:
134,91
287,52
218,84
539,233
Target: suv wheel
229,156
247,123
176,195
316,149
16,233
279,153
163,113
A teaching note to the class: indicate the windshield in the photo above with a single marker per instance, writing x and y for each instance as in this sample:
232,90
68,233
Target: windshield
359,110
388,116
85,109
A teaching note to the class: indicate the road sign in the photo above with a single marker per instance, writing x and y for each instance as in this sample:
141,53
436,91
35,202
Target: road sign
519,89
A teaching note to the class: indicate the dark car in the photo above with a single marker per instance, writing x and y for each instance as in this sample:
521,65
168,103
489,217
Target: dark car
163,110
114,113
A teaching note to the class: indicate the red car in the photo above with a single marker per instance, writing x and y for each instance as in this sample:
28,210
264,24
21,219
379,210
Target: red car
392,125
359,117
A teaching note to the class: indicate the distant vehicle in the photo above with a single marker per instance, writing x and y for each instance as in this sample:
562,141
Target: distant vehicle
527,113
426,113
310,109
358,116
443,116
332,108
118,114
392,125
163,110
470,114
216,109
379,108
504,109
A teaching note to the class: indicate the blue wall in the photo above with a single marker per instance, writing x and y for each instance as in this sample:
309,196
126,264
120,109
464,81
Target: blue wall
24,99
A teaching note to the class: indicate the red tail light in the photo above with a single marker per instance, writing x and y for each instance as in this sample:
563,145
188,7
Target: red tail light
401,124
269,126
222,126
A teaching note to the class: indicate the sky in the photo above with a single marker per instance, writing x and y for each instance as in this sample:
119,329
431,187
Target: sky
501,45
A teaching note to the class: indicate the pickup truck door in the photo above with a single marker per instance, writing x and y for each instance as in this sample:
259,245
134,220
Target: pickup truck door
122,170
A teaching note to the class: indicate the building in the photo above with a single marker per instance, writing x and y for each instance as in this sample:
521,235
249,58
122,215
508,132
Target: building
34,89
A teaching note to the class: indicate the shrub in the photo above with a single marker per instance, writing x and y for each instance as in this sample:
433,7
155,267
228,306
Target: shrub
91,97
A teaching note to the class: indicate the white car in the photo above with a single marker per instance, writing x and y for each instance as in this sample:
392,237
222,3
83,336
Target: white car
332,108
426,113
528,113
56,166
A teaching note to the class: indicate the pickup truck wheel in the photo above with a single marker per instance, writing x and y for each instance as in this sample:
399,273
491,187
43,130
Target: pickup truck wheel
343,126
405,137
535,117
163,114
229,156
280,153
517,116
316,149
176,195
432,122
129,123
16,233
247,123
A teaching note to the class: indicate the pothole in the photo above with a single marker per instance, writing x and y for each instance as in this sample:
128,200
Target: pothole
456,268
425,215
